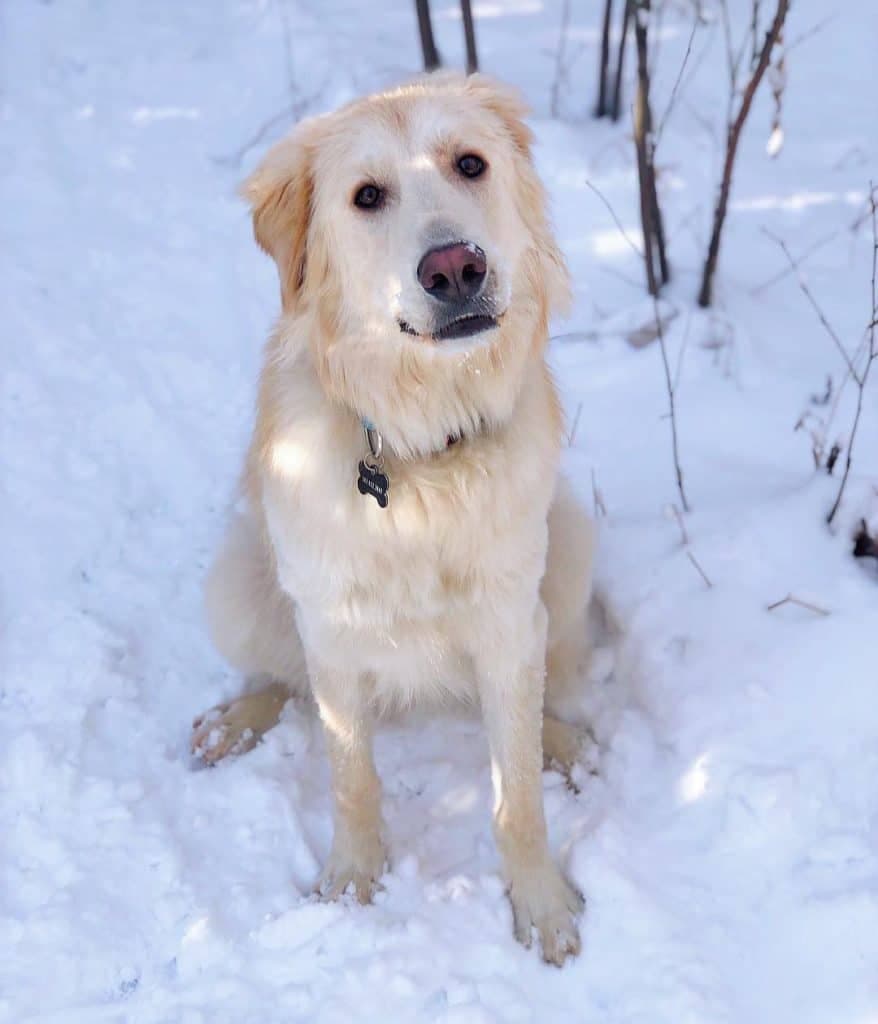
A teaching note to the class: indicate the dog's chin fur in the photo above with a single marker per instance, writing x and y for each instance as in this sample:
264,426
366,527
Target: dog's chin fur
416,391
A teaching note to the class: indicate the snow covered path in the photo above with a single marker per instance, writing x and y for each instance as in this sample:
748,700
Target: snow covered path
729,846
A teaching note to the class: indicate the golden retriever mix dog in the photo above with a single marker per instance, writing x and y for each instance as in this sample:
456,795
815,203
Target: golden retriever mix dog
406,534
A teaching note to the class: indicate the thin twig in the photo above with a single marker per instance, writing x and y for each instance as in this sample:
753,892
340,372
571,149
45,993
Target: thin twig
627,15
571,437
701,572
560,65
602,105
616,220
289,115
683,345
661,336
808,33
873,353
678,516
600,509
678,469
733,137
288,50
803,284
791,599
673,96
786,271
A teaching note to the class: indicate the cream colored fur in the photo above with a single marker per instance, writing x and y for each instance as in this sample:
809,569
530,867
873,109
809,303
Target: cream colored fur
476,578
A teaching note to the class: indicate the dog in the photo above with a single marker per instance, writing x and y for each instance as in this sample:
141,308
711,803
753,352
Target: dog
406,536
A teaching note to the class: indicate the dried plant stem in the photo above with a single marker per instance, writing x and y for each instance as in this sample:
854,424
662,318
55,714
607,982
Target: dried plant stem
469,36
701,572
669,383
428,43
859,376
603,105
571,437
616,105
821,316
676,87
560,59
790,599
678,516
655,257
600,508
864,376
733,137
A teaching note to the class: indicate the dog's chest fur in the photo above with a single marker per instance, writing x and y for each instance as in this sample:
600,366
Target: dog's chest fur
462,528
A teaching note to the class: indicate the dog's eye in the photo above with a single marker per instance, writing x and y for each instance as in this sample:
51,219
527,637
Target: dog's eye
470,165
368,197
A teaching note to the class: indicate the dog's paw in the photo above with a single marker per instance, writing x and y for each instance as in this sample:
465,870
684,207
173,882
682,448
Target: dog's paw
545,901
565,745
223,731
355,864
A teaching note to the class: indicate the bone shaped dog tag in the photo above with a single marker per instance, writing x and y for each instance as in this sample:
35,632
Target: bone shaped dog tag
372,481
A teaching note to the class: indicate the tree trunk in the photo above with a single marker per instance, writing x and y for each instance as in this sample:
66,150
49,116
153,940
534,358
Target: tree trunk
602,107
616,106
733,137
428,44
650,212
469,32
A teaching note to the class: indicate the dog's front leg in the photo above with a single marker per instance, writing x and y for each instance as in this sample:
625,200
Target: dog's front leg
357,857
511,679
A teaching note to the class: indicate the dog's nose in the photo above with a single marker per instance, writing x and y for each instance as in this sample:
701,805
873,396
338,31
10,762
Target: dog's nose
451,273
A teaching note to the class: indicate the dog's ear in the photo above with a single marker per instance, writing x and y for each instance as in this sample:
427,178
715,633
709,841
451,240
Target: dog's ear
280,193
510,108
508,105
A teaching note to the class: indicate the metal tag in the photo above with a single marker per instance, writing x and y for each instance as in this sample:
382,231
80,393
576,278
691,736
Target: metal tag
372,481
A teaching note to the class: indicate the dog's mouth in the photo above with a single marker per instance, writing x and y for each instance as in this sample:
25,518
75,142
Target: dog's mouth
460,327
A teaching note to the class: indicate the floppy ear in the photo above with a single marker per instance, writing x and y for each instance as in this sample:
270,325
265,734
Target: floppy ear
280,193
509,107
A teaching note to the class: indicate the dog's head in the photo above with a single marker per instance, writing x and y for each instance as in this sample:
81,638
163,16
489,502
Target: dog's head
410,234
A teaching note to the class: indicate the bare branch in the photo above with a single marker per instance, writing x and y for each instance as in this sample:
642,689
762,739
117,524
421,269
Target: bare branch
873,353
809,33
627,14
600,509
803,284
790,599
432,60
733,138
754,33
644,142
288,116
571,437
676,87
602,106
796,263
701,572
469,37
560,64
618,223
669,384
288,51
678,516
661,337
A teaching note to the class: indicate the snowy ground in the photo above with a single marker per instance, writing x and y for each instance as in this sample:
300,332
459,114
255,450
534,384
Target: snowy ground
729,846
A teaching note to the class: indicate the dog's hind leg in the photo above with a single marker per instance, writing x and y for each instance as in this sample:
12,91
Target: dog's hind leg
253,625
238,725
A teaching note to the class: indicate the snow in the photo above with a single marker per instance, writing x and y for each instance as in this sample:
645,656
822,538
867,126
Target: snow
728,846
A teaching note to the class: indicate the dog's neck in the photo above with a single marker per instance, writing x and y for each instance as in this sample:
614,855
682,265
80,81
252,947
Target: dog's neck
375,440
